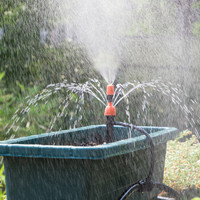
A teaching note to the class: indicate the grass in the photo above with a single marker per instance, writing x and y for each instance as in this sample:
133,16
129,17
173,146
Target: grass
182,167
2,184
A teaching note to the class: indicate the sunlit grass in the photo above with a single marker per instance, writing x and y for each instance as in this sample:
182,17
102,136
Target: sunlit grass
182,167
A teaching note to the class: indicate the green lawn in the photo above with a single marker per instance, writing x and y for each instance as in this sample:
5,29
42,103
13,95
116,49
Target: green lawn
182,166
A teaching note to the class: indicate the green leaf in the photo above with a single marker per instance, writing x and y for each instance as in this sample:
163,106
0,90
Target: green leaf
20,86
2,170
74,97
2,75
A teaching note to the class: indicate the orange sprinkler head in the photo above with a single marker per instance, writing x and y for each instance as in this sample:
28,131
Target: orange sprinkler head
110,114
110,89
110,110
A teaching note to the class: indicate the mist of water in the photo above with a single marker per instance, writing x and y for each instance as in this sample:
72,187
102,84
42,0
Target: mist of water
133,33
100,27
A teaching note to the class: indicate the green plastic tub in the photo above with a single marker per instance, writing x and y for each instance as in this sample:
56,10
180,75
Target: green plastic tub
62,165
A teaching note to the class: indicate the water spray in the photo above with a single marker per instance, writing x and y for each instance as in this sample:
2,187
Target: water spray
145,185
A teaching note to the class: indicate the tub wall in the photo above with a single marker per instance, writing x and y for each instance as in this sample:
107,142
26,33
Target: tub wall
61,179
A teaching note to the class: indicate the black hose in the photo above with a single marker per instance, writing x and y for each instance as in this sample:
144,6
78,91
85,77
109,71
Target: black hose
149,177
128,192
147,184
138,187
168,189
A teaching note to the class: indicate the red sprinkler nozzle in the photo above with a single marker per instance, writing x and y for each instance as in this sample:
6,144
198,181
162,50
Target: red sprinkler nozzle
110,113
